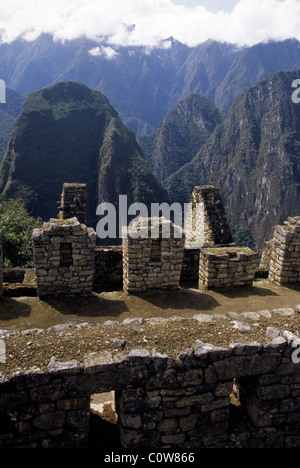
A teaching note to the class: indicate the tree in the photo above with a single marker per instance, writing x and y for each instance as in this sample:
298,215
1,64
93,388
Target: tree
17,226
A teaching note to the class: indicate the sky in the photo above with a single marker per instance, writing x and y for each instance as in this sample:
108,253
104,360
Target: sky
150,22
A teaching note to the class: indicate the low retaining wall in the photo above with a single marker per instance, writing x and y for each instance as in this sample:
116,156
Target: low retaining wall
161,402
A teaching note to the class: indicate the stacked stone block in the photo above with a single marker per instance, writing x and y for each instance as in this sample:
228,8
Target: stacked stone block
162,402
206,223
285,254
181,405
64,253
266,256
152,263
73,202
227,268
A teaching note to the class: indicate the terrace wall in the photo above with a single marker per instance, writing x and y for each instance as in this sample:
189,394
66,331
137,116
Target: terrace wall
161,402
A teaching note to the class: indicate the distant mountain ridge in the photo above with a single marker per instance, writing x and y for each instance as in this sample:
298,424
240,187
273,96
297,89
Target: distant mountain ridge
143,85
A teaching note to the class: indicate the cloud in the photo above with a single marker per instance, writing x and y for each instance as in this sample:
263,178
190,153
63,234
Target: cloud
149,22
106,52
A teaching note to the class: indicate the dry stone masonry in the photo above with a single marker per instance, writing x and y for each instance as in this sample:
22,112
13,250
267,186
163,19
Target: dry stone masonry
152,263
73,202
206,223
162,402
285,253
64,253
266,256
227,267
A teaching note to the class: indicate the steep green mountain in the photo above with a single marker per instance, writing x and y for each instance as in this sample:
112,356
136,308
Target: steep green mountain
70,133
8,113
182,133
144,84
253,156
6,127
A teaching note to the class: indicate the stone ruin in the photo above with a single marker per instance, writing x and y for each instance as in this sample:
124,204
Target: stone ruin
68,262
64,253
73,202
227,268
206,223
152,263
221,264
284,253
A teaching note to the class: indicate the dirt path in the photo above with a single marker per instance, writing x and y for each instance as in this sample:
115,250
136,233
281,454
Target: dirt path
27,313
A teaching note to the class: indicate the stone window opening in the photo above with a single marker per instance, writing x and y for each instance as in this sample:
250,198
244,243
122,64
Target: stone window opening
155,254
66,255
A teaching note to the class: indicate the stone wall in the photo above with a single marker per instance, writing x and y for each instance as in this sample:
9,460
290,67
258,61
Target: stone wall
206,223
266,256
285,254
161,402
73,202
64,252
108,275
227,267
152,263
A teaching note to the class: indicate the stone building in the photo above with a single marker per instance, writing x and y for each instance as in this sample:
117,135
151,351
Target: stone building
73,202
152,262
221,268
206,223
64,253
285,253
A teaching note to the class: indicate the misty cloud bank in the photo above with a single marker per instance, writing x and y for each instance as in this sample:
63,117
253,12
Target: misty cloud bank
148,22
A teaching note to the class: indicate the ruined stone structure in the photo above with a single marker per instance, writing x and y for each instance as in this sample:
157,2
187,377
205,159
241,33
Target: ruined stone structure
152,263
227,267
161,402
73,202
64,253
266,256
206,223
285,253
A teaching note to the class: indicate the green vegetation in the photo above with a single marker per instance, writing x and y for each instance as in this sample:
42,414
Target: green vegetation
17,227
181,135
68,133
253,157
8,114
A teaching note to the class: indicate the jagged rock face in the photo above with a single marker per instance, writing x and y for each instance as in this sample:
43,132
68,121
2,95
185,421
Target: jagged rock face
182,133
253,157
69,133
